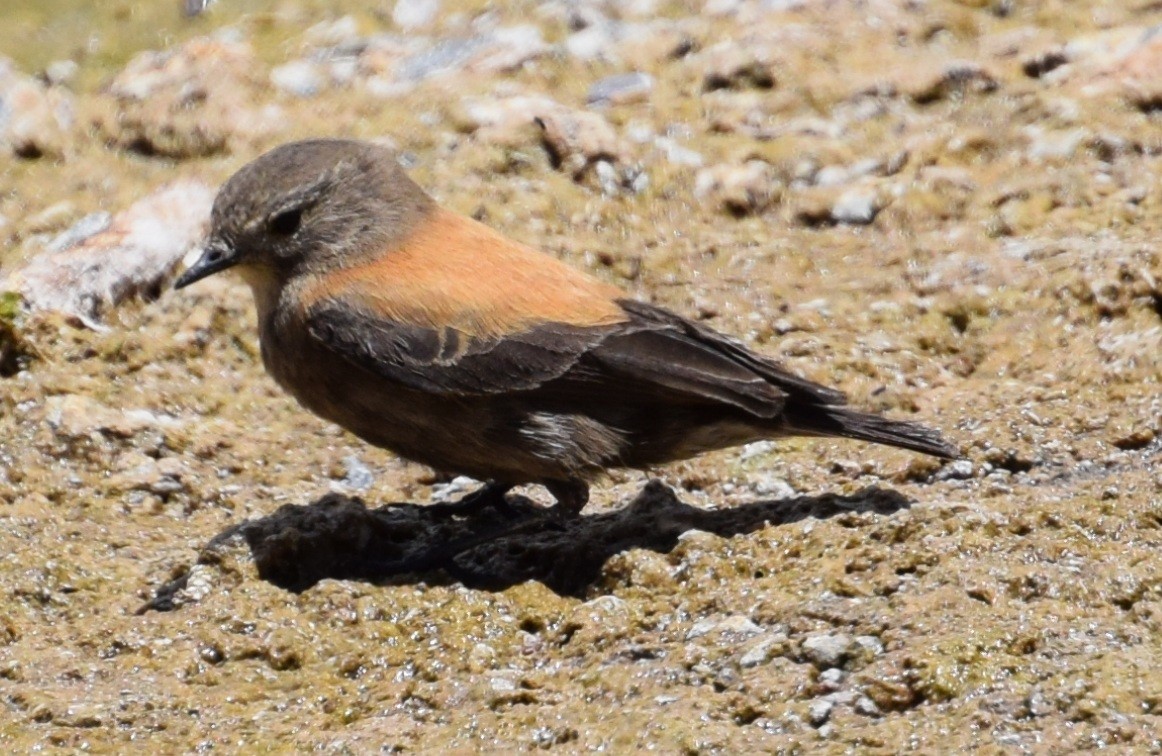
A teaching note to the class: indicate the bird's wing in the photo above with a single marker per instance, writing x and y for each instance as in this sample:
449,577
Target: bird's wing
449,361
726,348
653,356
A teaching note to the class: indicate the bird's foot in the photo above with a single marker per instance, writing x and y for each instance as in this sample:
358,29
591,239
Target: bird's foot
571,496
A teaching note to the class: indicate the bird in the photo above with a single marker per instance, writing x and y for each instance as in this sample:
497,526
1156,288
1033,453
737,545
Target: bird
434,336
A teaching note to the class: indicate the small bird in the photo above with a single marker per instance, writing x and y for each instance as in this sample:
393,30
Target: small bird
430,334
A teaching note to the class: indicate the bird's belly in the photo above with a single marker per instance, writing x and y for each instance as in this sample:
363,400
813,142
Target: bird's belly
486,437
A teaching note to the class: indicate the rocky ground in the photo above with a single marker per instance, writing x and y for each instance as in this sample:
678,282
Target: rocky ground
948,209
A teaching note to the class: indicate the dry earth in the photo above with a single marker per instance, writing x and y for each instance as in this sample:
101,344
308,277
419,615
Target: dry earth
949,209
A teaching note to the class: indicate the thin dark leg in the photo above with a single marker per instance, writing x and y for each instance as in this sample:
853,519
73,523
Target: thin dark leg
491,494
571,496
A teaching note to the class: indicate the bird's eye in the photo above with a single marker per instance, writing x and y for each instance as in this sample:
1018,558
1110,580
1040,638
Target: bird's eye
286,222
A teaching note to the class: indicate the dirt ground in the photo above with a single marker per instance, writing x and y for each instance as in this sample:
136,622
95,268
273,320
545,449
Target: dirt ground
950,210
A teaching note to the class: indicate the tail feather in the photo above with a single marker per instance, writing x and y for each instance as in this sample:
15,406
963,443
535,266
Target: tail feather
831,420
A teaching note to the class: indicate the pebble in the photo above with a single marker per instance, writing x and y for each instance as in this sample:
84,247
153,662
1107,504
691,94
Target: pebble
187,101
34,119
677,154
358,475
591,43
77,416
60,73
301,78
454,489
88,226
867,707
832,678
132,257
414,14
960,469
772,487
870,644
1054,146
500,50
760,652
729,65
819,712
621,89
856,207
578,139
342,32
737,189
826,651
737,624
944,79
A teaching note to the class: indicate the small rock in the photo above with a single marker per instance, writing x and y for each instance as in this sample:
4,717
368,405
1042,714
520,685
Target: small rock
819,712
578,140
677,154
132,257
702,627
414,14
772,486
591,43
502,682
482,657
446,56
621,89
88,226
60,73
738,189
358,475
961,469
867,707
831,678
342,32
301,78
78,416
762,651
454,489
739,624
730,65
80,715
1037,705
606,605
510,48
825,651
957,78
1055,146
858,206
187,101
34,119
870,645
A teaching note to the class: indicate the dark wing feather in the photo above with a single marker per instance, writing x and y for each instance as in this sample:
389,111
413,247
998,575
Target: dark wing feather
649,362
638,361
724,346
450,362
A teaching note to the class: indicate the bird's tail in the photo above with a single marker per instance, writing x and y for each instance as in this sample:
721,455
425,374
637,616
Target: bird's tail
832,420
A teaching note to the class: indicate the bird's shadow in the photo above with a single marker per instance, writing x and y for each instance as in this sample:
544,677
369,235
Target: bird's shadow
338,537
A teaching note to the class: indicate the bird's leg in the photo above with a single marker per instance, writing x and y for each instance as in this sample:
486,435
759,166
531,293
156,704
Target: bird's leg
571,495
491,494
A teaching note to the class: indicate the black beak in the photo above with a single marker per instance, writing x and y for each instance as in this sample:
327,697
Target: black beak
217,256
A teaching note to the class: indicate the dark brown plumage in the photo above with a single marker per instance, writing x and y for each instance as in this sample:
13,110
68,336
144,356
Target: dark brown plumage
429,334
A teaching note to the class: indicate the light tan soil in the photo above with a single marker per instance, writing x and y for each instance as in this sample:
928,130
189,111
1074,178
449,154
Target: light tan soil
1008,296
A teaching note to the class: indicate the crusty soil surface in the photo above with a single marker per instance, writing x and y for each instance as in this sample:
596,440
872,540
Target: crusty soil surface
189,561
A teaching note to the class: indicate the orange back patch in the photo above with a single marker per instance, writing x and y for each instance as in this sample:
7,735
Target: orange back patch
453,271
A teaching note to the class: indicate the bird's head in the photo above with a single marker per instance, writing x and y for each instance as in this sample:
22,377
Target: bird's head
308,207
